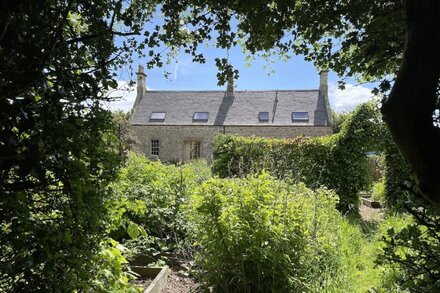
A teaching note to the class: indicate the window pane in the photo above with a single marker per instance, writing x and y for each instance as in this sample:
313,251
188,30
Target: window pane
201,116
195,150
263,116
300,116
157,116
154,147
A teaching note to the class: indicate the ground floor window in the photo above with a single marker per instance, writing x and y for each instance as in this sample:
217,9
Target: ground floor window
154,147
193,150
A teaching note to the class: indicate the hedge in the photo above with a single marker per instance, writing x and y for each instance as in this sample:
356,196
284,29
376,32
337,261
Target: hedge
337,161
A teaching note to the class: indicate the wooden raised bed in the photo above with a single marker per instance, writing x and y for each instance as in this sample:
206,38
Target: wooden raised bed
370,203
158,274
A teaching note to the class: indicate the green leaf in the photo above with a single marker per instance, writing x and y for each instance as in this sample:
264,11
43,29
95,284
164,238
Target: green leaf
133,230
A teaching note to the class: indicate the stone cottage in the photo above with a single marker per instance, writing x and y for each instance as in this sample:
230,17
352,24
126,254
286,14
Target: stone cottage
180,125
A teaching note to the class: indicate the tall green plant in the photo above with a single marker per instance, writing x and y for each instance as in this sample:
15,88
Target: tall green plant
148,199
258,234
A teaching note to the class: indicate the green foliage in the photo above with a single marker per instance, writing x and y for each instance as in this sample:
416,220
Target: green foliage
410,255
338,119
112,274
258,234
400,186
126,139
148,199
378,191
338,161
376,165
413,250
56,162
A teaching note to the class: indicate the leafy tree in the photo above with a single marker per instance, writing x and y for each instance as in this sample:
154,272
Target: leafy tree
338,119
126,139
56,159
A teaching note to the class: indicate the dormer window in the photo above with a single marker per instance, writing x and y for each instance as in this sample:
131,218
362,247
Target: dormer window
300,116
157,116
201,117
263,117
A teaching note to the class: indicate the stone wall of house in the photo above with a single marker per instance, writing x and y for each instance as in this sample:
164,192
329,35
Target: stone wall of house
172,137
279,131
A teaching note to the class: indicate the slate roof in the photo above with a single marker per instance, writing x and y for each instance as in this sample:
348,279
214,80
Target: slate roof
242,109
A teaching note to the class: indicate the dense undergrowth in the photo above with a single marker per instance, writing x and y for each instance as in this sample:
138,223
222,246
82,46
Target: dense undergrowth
258,234
251,234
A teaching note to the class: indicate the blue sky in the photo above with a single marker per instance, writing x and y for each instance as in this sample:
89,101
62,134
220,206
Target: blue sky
292,74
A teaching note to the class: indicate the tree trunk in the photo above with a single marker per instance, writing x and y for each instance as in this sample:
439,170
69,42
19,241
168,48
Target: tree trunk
409,109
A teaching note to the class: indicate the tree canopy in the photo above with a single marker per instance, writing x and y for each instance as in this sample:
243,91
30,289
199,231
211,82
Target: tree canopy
57,152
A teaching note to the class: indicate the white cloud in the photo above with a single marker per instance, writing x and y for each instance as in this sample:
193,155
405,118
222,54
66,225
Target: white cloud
176,71
124,95
346,100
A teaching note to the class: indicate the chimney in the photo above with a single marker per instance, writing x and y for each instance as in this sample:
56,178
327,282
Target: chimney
141,84
230,87
323,92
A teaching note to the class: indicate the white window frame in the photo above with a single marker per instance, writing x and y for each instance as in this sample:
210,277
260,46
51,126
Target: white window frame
297,119
157,116
197,118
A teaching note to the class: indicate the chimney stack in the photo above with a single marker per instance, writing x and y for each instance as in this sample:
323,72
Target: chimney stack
323,78
141,84
230,87
323,92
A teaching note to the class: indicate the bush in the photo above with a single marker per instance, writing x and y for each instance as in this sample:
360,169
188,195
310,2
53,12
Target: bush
258,234
338,161
148,199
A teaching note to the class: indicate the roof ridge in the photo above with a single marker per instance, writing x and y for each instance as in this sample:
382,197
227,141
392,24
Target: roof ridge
222,91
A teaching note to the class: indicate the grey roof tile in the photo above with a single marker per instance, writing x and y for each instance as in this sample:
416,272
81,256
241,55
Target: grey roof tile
242,109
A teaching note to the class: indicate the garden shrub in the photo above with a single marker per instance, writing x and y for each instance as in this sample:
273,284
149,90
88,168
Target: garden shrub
378,192
258,234
337,161
52,215
410,255
147,203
